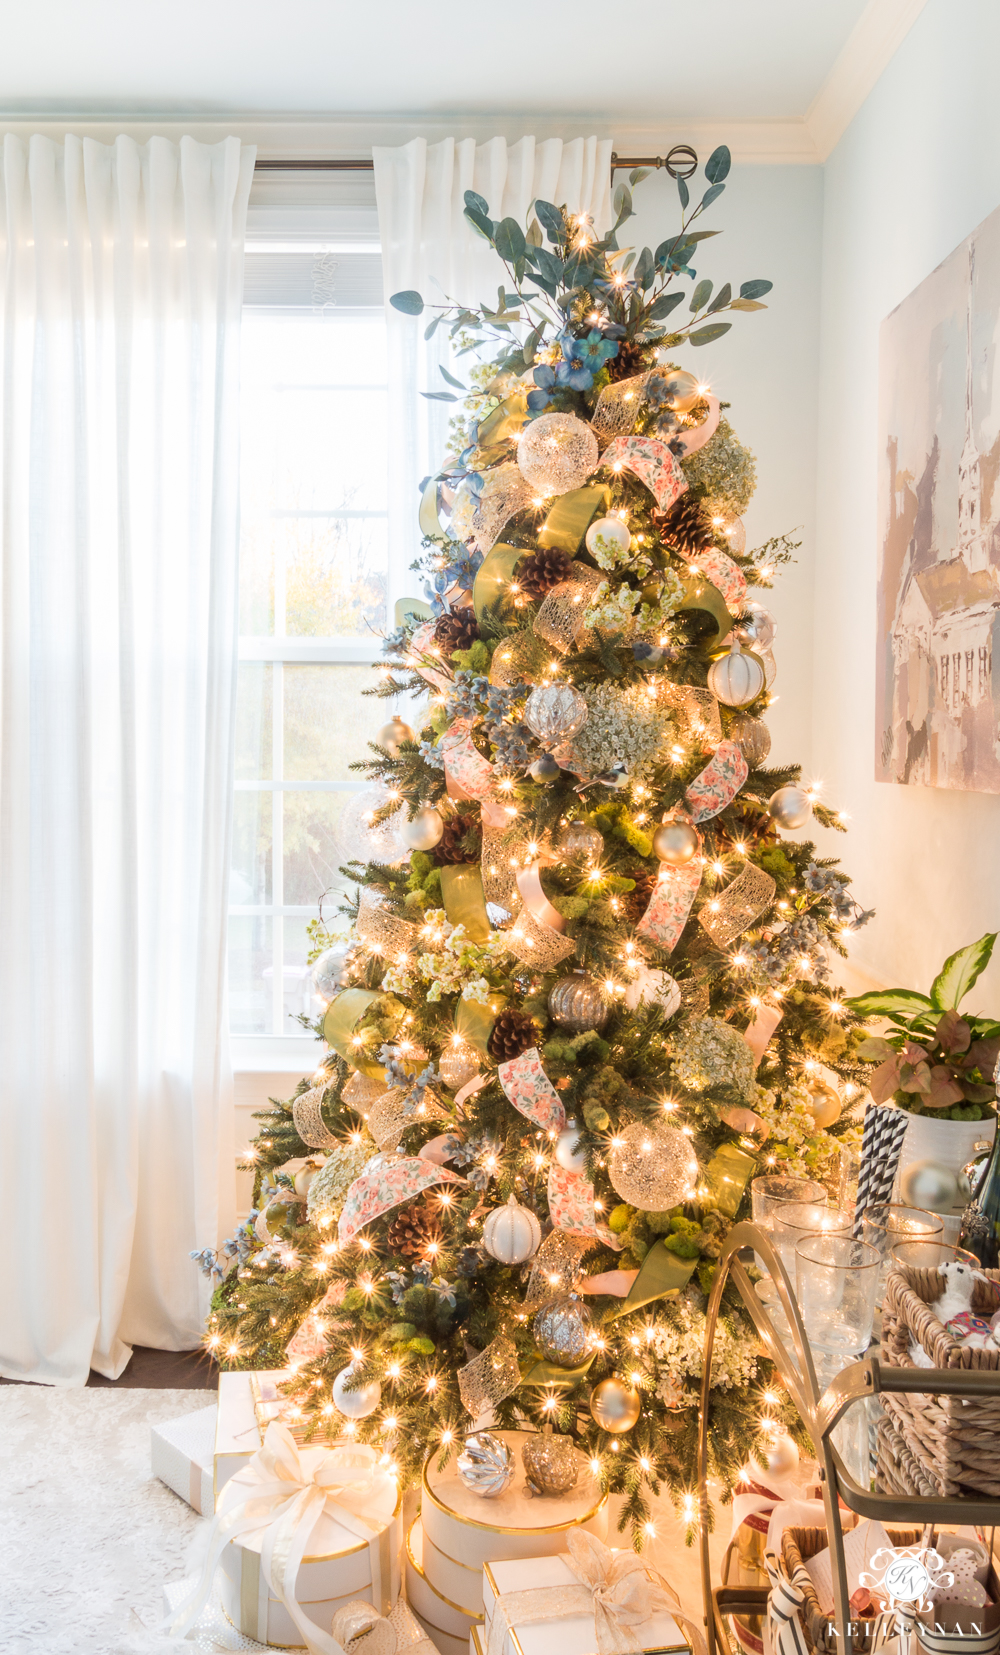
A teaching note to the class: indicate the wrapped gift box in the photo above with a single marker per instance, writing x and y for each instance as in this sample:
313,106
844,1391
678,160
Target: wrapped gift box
237,1433
335,1569
571,1634
447,1620
182,1452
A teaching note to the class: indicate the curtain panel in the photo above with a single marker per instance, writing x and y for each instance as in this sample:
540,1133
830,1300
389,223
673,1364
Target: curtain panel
428,244
119,337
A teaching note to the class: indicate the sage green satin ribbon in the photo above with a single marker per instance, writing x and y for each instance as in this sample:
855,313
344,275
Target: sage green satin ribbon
474,1020
505,421
492,584
728,1173
699,593
342,1017
571,516
464,902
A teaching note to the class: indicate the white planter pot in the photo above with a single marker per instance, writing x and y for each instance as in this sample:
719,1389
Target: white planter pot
952,1144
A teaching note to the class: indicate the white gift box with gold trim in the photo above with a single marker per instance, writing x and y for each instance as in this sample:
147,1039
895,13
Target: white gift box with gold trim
237,1433
439,1612
570,1634
468,1531
182,1452
335,1569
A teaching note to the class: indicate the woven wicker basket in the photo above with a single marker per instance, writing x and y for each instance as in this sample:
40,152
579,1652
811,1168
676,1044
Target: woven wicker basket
798,1546
936,1444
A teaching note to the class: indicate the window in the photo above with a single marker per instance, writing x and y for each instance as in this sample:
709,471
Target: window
314,586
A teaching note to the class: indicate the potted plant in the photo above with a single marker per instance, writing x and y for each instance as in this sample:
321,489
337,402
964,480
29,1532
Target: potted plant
936,1063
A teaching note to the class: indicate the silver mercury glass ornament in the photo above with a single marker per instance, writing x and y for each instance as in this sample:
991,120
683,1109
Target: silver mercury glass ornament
486,1465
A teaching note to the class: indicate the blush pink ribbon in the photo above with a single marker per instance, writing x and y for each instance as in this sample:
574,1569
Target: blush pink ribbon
419,658
711,791
652,462
528,1088
571,1205
761,1030
718,784
387,1181
529,884
723,573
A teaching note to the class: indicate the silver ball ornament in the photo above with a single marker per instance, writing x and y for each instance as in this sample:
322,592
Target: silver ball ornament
569,1157
392,735
577,1002
330,970
929,1184
615,1405
486,1465
675,843
791,807
756,627
555,713
424,831
355,1404
544,769
562,1330
577,839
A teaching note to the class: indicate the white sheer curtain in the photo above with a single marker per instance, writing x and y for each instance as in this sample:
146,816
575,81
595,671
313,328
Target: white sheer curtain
121,277
429,245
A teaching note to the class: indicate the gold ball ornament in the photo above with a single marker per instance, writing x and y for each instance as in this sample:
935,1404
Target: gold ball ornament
615,1405
511,1233
652,1167
791,807
562,1330
424,830
824,1102
753,736
551,1464
682,390
736,679
675,843
556,453
555,713
577,1002
392,735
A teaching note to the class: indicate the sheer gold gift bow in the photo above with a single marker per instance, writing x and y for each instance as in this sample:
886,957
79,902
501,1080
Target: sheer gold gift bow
288,1489
615,1587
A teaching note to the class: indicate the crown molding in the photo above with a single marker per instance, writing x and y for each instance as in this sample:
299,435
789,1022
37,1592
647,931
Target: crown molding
867,51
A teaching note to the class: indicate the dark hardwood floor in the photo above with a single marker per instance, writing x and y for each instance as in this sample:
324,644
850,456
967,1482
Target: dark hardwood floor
160,1370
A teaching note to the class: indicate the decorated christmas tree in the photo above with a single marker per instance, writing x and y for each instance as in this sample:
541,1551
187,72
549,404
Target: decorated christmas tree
586,991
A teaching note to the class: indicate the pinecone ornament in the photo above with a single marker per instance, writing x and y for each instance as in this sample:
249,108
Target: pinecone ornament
632,359
513,1033
456,630
685,525
413,1231
744,829
636,902
461,841
546,568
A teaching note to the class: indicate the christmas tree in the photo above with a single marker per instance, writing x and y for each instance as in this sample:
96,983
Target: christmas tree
586,992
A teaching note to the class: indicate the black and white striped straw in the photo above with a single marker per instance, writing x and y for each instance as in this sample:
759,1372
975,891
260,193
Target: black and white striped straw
881,1145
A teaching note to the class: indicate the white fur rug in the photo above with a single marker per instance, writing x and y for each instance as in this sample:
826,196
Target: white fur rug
88,1536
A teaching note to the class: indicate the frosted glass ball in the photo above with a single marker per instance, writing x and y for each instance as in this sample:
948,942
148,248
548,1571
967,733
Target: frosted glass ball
355,1404
612,531
652,1167
360,840
555,713
757,626
557,452
329,972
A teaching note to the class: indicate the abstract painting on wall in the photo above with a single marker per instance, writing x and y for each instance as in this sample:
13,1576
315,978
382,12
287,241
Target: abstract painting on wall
938,677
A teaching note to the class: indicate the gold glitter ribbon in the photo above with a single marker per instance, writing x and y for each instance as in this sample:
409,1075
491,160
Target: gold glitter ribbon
490,1376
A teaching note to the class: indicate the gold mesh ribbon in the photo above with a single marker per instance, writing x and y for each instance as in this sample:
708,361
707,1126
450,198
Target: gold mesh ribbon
537,945
389,1116
618,408
384,933
307,1118
505,493
490,1376
562,616
696,712
361,1092
556,1267
734,910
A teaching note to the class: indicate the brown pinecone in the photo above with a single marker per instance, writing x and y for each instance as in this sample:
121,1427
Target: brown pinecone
632,359
513,1033
456,630
461,841
685,525
413,1231
743,825
546,568
636,902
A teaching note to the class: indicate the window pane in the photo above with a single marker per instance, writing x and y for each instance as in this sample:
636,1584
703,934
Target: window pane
328,449
250,875
249,990
312,850
335,575
256,575
254,692
328,721
299,995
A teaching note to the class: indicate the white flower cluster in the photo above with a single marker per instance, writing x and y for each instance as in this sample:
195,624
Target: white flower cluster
678,1343
451,964
795,1144
623,727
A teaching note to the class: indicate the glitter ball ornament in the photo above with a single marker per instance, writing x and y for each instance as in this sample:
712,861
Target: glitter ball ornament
425,829
608,540
486,1465
824,1102
457,1065
577,1002
568,1156
551,1464
615,1405
393,734
562,1330
652,1167
361,840
753,736
791,807
329,972
544,769
756,627
512,1233
736,679
653,988
930,1185
675,843
555,713
356,1404
556,453
577,839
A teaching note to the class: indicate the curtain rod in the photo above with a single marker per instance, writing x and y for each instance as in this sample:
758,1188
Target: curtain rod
679,162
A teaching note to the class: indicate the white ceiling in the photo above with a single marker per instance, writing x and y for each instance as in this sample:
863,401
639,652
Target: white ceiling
596,60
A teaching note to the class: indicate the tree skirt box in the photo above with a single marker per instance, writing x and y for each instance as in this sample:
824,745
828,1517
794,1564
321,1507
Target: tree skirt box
336,1568
572,1633
182,1454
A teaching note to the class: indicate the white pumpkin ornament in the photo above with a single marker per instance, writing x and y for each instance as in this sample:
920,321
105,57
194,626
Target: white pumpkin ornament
355,1404
736,679
511,1233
